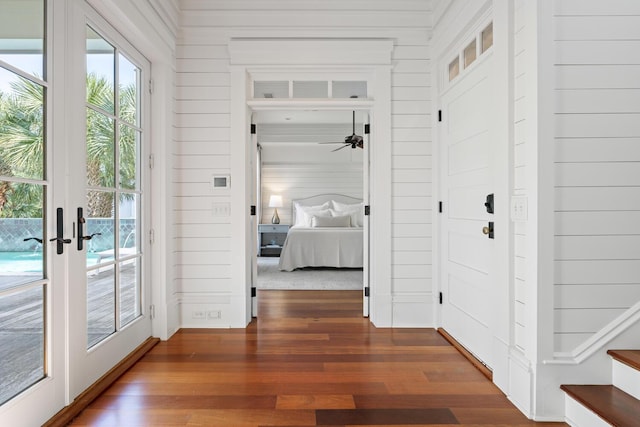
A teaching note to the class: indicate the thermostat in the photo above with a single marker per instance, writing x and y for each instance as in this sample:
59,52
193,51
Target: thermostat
222,181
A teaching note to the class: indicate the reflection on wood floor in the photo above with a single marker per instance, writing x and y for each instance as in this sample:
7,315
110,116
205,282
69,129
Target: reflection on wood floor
310,359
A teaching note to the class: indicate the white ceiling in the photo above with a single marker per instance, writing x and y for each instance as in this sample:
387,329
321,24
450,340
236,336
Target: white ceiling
306,126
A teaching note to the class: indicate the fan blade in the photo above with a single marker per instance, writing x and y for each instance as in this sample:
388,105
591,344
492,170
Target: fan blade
340,148
336,142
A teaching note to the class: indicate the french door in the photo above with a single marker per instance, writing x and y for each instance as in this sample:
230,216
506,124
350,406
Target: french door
107,201
73,204
32,284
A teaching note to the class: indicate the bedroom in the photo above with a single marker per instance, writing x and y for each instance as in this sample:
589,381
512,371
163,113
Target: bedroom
305,162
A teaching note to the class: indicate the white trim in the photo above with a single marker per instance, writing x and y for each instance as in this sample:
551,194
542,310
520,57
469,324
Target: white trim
599,340
370,60
297,52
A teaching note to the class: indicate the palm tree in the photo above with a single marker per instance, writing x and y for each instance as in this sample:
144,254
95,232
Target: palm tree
22,147
21,143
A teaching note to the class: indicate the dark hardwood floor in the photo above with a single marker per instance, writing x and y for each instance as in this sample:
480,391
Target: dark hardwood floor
310,359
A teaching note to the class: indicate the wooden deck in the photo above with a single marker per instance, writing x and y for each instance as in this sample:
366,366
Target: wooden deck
22,332
310,359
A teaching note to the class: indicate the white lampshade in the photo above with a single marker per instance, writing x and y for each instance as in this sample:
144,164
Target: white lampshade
275,201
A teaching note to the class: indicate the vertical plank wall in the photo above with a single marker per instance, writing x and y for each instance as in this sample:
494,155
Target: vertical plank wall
202,146
597,166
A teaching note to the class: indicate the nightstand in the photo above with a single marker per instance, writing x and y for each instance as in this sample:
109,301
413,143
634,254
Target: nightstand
271,238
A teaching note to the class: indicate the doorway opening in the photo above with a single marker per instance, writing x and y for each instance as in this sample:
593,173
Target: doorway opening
311,189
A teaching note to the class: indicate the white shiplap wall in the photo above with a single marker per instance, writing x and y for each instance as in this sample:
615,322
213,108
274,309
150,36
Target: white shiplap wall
202,135
597,166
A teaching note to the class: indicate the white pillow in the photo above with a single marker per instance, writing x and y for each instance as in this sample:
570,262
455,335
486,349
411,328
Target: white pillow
302,218
346,207
331,221
356,212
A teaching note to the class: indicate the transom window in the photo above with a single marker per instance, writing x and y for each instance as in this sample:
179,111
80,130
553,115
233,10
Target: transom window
472,51
309,89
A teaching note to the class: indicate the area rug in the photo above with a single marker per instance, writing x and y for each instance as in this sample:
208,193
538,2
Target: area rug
270,277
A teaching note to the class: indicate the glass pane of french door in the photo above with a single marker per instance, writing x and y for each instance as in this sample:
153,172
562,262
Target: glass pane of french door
24,283
113,189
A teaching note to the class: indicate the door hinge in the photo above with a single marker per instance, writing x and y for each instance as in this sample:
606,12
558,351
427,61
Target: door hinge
152,311
254,292
440,207
367,129
152,236
253,129
439,115
367,210
150,86
440,298
152,161
253,210
366,291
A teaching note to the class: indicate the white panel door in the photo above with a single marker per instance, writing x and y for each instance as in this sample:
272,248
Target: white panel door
466,180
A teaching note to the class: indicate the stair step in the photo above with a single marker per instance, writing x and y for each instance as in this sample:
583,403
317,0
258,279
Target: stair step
610,403
626,371
628,357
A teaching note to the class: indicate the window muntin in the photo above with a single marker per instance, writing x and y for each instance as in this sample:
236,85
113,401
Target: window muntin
22,35
114,189
24,283
477,46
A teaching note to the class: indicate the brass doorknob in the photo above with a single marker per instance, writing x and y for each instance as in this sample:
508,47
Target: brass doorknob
486,230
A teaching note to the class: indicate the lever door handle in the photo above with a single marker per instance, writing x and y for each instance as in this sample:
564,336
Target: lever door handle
91,236
60,240
37,239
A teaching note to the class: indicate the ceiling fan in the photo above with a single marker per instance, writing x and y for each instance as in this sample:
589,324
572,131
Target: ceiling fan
352,140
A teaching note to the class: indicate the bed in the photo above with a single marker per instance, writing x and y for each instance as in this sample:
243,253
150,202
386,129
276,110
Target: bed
326,232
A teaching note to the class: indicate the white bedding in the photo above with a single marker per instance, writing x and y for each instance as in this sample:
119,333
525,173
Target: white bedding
339,247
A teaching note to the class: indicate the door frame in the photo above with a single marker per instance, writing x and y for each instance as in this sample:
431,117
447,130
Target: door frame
368,60
256,106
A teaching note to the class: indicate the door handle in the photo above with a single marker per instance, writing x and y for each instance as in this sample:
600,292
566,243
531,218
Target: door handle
91,236
37,239
80,230
61,241
488,230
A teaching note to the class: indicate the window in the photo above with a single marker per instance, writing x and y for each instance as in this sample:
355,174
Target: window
454,68
470,53
349,89
267,89
310,89
113,147
487,38
24,185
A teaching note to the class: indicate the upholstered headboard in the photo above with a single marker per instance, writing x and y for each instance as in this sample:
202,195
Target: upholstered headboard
320,199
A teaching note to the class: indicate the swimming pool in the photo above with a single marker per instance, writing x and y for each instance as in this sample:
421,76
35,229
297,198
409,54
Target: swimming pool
29,262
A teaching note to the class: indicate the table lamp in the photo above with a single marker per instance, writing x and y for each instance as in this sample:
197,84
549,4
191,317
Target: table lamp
275,201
